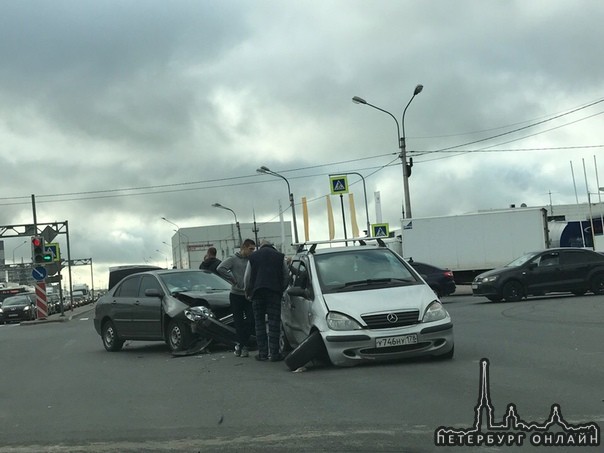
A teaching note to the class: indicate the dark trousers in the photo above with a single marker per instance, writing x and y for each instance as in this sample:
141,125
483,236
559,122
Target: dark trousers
243,317
267,304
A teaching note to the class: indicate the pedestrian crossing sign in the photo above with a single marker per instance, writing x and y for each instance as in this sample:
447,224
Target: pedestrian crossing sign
380,230
339,184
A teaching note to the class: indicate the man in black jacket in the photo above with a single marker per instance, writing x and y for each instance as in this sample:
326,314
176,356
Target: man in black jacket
266,277
210,262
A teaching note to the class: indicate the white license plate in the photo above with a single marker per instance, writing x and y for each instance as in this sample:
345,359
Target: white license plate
474,286
402,340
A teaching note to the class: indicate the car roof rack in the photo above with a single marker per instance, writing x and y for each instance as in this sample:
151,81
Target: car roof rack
312,245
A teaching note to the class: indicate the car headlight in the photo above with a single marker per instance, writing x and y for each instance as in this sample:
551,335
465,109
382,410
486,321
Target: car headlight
339,321
26,308
488,279
435,312
198,313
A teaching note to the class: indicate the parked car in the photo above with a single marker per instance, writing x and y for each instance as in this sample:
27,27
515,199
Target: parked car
566,269
359,304
18,308
440,280
151,306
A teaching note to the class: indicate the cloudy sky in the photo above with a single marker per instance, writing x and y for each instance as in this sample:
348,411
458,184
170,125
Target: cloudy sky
117,113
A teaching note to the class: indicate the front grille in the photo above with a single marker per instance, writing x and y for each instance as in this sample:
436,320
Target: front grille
392,319
395,349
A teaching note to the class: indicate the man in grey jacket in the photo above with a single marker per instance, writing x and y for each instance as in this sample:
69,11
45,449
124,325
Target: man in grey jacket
233,269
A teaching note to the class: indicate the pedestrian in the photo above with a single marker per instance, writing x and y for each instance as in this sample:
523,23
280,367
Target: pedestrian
233,270
266,277
210,262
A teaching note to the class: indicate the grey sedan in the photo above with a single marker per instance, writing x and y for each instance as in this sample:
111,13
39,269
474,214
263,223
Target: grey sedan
151,306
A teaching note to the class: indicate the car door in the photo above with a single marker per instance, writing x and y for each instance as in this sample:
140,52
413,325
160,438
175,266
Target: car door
122,304
296,314
543,273
146,311
575,268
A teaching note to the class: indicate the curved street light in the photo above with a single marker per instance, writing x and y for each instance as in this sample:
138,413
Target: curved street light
20,245
218,205
402,145
268,171
179,241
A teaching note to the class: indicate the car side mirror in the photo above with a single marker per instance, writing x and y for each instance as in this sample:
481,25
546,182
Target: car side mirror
296,291
154,292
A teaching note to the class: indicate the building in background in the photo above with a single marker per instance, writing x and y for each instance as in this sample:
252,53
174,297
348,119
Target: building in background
190,245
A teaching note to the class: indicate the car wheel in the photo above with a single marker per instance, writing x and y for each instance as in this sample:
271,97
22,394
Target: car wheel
111,340
312,347
284,346
597,284
512,291
179,336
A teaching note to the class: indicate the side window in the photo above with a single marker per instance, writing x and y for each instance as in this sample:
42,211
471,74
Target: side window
129,287
299,274
549,259
148,282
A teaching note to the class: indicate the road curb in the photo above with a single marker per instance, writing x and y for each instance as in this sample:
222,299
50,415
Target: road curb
64,318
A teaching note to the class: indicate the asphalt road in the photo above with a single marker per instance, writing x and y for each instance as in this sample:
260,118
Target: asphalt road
60,391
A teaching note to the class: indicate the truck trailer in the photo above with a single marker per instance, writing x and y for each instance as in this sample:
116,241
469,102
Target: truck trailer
469,244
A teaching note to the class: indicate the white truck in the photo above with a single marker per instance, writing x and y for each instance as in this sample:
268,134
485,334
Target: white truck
472,243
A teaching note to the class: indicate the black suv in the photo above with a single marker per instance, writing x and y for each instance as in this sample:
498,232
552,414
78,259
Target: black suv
566,269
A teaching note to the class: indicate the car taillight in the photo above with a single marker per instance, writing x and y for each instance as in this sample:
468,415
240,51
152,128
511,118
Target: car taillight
449,274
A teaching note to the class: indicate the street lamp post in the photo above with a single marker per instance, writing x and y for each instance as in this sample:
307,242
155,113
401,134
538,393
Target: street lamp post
218,205
364,193
268,171
402,145
20,245
179,241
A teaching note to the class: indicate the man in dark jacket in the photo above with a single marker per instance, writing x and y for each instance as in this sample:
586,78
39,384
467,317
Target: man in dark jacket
266,277
210,262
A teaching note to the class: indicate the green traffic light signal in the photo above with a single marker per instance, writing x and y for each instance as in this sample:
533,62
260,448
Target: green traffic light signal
47,257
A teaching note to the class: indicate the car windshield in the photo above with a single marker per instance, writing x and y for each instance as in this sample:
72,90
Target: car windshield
14,301
361,268
179,282
521,260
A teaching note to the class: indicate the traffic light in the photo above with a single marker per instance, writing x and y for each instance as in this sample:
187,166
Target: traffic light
38,251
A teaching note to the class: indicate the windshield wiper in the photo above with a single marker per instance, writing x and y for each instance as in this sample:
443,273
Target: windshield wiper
375,281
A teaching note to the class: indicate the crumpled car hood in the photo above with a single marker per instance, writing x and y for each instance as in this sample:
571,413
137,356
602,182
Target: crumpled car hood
177,303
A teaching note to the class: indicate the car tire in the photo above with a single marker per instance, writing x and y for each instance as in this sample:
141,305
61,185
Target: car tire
512,291
312,347
111,340
597,284
179,336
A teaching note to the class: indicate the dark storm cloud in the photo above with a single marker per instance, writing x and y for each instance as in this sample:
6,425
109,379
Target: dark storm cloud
114,95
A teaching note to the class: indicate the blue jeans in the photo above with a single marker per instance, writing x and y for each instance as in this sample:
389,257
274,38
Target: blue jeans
267,304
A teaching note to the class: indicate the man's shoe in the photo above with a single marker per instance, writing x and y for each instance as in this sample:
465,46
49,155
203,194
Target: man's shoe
261,358
276,358
237,351
245,352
